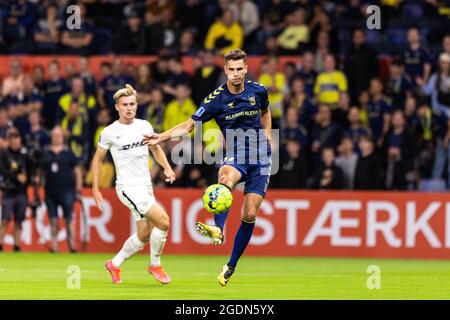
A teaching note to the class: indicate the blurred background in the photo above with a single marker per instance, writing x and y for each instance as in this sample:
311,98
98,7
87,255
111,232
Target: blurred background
357,108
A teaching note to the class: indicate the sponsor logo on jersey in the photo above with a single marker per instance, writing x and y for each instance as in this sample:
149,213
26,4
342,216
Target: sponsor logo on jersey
132,145
248,113
200,112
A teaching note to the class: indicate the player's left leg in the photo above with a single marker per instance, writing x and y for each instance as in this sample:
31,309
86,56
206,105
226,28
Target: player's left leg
161,223
252,202
255,189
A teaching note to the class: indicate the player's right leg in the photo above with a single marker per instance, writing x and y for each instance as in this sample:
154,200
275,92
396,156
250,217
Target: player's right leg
229,176
6,217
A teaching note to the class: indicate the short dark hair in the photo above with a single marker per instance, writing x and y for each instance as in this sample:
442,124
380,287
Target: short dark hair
235,54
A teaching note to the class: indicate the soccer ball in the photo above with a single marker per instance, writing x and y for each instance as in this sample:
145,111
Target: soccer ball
217,198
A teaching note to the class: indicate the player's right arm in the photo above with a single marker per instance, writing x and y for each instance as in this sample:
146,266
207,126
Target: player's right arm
100,154
204,113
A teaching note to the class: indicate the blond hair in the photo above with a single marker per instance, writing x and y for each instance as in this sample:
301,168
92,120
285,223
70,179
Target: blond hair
124,92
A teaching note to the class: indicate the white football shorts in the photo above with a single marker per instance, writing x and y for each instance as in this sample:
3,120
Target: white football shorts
138,198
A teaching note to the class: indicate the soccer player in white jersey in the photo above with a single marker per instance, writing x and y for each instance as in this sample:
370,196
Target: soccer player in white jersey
123,138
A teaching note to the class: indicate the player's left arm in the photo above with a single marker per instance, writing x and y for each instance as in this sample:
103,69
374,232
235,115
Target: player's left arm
266,117
160,157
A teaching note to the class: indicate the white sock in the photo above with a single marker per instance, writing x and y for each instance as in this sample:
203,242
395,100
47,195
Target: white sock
157,242
130,247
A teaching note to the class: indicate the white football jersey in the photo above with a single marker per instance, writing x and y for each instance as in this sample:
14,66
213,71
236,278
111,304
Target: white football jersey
129,153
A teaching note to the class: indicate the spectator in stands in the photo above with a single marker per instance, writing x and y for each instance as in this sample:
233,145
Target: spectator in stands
187,46
325,133
295,36
37,73
296,98
144,85
330,83
76,132
18,19
361,64
321,23
410,109
78,41
55,86
369,169
159,69
415,58
247,15
276,13
355,130
307,73
47,31
446,43
63,180
379,112
429,131
13,82
322,50
85,73
154,111
110,84
292,129
164,34
347,161
276,85
328,176
155,9
78,94
35,136
179,109
130,39
400,148
340,112
5,123
31,99
293,173
438,87
225,34
206,76
399,85
176,76
14,168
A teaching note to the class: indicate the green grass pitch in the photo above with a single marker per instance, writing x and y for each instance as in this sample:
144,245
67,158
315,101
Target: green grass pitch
44,276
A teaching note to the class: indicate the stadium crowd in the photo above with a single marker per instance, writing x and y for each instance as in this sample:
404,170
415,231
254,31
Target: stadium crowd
343,124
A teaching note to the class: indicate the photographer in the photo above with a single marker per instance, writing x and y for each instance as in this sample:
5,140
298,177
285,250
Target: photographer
63,181
14,168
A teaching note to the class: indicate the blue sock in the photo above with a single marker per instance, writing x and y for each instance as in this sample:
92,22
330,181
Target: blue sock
220,219
241,241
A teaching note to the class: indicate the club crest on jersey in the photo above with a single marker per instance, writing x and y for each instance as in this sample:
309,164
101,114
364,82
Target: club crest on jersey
132,145
231,105
252,100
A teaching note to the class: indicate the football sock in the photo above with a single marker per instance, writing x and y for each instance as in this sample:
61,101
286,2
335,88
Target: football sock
220,219
241,241
130,247
157,242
